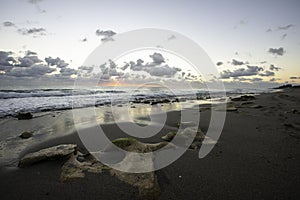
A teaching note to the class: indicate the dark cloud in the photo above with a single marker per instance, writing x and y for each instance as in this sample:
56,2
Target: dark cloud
277,51
30,66
8,24
6,59
249,71
294,77
162,71
32,31
28,61
236,62
125,66
274,79
107,39
56,62
35,70
86,69
267,73
274,68
256,79
157,58
109,70
153,68
108,33
219,63
67,71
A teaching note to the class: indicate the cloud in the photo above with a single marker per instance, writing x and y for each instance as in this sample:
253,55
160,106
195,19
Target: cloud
283,36
56,62
236,62
107,35
219,63
269,30
172,37
8,24
34,1
6,61
107,71
67,72
256,79
294,77
32,31
162,71
31,66
276,51
154,68
125,66
35,70
274,68
83,40
28,61
285,27
280,28
157,58
107,39
274,79
267,73
249,71
36,4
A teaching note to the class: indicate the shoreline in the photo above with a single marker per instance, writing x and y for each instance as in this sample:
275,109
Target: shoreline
257,156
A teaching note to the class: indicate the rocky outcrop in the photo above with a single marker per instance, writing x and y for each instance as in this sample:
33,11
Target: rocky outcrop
186,134
243,98
23,116
26,135
47,154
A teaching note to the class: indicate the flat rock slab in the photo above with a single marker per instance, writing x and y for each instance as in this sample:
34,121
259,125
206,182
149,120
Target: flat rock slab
47,154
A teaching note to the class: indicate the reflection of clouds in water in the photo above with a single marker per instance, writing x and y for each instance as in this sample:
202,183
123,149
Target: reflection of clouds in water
140,112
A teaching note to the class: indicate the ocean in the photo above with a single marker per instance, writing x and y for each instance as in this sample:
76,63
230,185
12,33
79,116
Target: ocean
13,101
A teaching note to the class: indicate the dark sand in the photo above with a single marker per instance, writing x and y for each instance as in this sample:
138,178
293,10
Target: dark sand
256,157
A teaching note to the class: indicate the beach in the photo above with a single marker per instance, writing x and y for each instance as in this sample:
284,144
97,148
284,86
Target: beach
256,156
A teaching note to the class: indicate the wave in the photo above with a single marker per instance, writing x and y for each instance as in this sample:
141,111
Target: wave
8,94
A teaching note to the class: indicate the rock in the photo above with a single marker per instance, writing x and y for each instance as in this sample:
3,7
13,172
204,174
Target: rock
47,154
232,108
22,116
73,169
184,135
132,106
26,135
294,111
229,109
146,183
256,106
246,103
243,98
185,124
169,136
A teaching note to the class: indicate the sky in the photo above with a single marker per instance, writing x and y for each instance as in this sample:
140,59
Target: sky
248,41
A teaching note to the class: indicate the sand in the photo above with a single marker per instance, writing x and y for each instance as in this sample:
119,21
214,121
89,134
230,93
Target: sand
256,157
